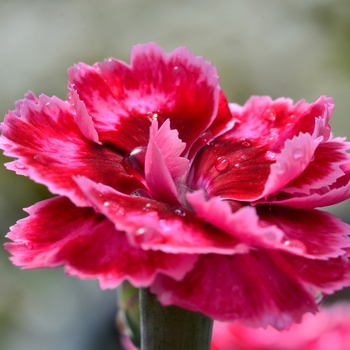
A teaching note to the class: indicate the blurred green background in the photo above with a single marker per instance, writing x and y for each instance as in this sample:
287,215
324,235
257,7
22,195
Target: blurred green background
293,48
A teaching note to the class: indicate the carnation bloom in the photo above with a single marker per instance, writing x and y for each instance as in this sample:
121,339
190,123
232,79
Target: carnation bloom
329,329
162,183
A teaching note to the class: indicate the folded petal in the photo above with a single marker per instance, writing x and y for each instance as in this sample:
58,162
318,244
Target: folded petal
159,226
163,163
268,122
242,222
310,233
291,162
324,196
249,288
87,244
324,169
51,148
272,144
176,86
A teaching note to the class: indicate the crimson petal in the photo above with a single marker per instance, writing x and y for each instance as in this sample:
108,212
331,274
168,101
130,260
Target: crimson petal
159,226
58,233
250,288
310,233
51,148
176,86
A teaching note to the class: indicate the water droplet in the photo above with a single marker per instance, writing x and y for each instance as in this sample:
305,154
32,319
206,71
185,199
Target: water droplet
106,204
269,115
246,143
147,235
237,165
221,163
39,159
288,126
312,158
270,236
152,116
51,109
280,168
28,245
273,134
206,137
136,159
295,243
270,155
166,297
180,212
149,207
318,297
20,166
179,74
298,153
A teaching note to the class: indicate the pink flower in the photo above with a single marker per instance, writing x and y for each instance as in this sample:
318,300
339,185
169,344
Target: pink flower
162,183
329,329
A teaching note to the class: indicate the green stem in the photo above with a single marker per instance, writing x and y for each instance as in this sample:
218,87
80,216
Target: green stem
171,327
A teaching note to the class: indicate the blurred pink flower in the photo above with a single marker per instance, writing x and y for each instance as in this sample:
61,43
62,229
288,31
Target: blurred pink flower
163,183
329,329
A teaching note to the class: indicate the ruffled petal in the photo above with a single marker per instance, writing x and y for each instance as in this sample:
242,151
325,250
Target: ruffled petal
272,143
322,277
310,233
51,148
176,86
268,122
291,162
159,226
250,288
58,233
242,222
324,196
324,169
163,163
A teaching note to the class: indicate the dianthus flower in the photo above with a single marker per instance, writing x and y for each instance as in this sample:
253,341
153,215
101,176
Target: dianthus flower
329,329
162,183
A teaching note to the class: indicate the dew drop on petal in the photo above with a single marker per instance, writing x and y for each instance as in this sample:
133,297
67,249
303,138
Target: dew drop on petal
136,159
221,163
269,115
206,137
318,297
295,243
106,204
280,168
288,126
246,143
147,235
39,159
20,166
166,297
180,212
270,155
298,153
28,245
270,236
237,165
152,116
51,109
178,74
